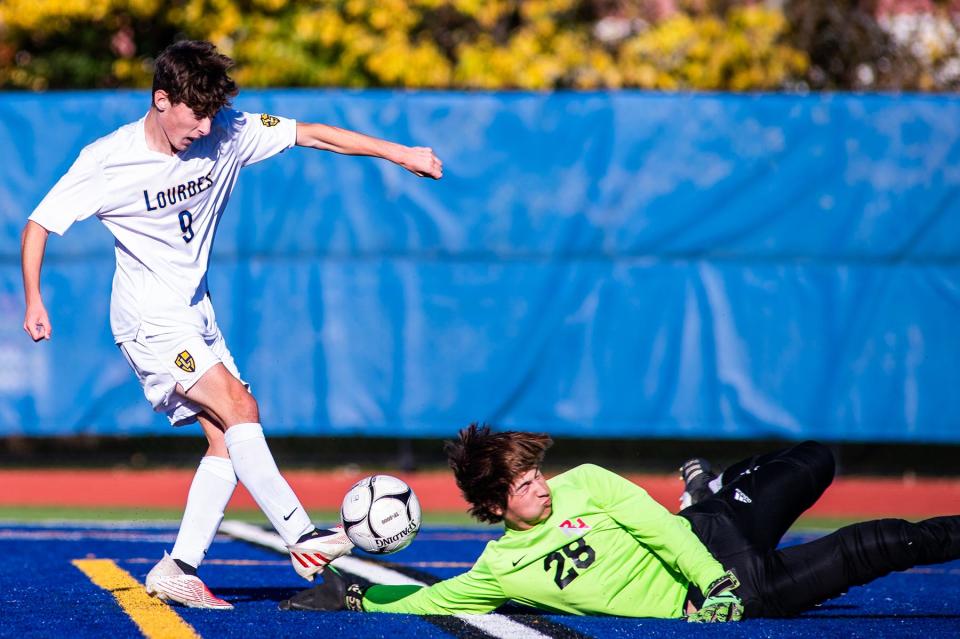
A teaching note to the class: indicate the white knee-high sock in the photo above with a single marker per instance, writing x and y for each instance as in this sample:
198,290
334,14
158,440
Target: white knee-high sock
258,471
209,495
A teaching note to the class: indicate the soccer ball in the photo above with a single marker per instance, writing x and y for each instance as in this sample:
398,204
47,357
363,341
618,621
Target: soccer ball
380,514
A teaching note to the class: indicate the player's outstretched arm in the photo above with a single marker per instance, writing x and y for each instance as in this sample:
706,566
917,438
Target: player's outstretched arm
33,243
418,160
474,593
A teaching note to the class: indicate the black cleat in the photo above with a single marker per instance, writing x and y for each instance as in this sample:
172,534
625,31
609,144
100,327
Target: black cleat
696,475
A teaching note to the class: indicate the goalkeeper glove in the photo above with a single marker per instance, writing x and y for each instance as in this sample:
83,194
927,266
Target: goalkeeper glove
333,594
720,604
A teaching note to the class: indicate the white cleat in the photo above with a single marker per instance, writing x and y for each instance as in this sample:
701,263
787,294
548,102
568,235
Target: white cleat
168,582
310,557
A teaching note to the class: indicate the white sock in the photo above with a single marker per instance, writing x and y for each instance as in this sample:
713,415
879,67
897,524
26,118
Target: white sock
716,484
209,495
259,473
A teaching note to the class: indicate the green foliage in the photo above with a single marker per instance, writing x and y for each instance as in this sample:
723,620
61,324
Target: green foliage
471,44
74,44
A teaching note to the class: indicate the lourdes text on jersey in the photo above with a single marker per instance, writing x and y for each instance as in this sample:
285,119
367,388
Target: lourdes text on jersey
179,193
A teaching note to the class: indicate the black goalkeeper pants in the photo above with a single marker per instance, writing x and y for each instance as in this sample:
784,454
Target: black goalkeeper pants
761,498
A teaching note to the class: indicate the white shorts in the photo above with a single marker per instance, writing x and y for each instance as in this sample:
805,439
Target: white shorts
161,360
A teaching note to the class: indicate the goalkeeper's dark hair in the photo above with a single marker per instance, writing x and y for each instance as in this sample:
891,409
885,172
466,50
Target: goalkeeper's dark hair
486,464
194,73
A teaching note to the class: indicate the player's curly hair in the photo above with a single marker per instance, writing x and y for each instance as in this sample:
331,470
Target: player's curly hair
194,73
485,465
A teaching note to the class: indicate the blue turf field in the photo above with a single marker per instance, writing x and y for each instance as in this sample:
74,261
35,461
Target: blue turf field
42,594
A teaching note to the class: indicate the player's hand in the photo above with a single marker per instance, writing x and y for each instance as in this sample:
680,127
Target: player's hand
723,607
37,323
720,604
421,161
333,594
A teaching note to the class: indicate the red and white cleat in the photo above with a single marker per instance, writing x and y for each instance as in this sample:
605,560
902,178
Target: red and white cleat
168,582
310,556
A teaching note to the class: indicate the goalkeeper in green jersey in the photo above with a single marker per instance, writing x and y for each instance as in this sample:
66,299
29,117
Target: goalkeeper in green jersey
590,542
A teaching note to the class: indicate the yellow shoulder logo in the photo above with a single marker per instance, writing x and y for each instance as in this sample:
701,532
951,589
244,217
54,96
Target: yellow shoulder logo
185,362
269,120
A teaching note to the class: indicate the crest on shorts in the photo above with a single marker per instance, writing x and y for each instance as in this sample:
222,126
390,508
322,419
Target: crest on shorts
185,362
269,120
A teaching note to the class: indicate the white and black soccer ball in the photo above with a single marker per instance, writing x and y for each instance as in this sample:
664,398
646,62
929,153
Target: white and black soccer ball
380,514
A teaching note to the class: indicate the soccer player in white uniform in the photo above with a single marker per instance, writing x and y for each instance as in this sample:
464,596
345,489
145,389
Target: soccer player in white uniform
160,185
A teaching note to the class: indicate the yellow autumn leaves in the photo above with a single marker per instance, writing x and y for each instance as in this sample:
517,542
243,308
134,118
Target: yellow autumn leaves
468,44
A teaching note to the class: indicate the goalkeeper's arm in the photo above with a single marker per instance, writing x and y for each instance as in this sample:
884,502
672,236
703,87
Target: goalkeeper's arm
473,592
340,592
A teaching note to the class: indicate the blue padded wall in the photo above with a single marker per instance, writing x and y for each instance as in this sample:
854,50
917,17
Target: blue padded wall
592,264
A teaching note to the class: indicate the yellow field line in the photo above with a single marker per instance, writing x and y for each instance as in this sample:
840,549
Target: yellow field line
154,618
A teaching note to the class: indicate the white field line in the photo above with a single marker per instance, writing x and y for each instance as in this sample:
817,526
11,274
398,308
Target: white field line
119,524
492,624
13,534
377,574
79,535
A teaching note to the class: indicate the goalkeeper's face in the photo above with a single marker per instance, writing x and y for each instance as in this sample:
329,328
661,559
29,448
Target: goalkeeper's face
528,501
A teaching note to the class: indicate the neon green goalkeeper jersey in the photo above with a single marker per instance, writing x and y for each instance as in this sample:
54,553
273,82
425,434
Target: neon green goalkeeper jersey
607,549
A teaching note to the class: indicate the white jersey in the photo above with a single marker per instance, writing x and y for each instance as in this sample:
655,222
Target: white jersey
163,210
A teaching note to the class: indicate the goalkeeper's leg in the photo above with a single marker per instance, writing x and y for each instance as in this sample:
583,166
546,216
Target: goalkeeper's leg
764,495
802,576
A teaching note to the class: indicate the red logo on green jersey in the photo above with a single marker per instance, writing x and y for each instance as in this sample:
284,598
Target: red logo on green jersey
576,527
